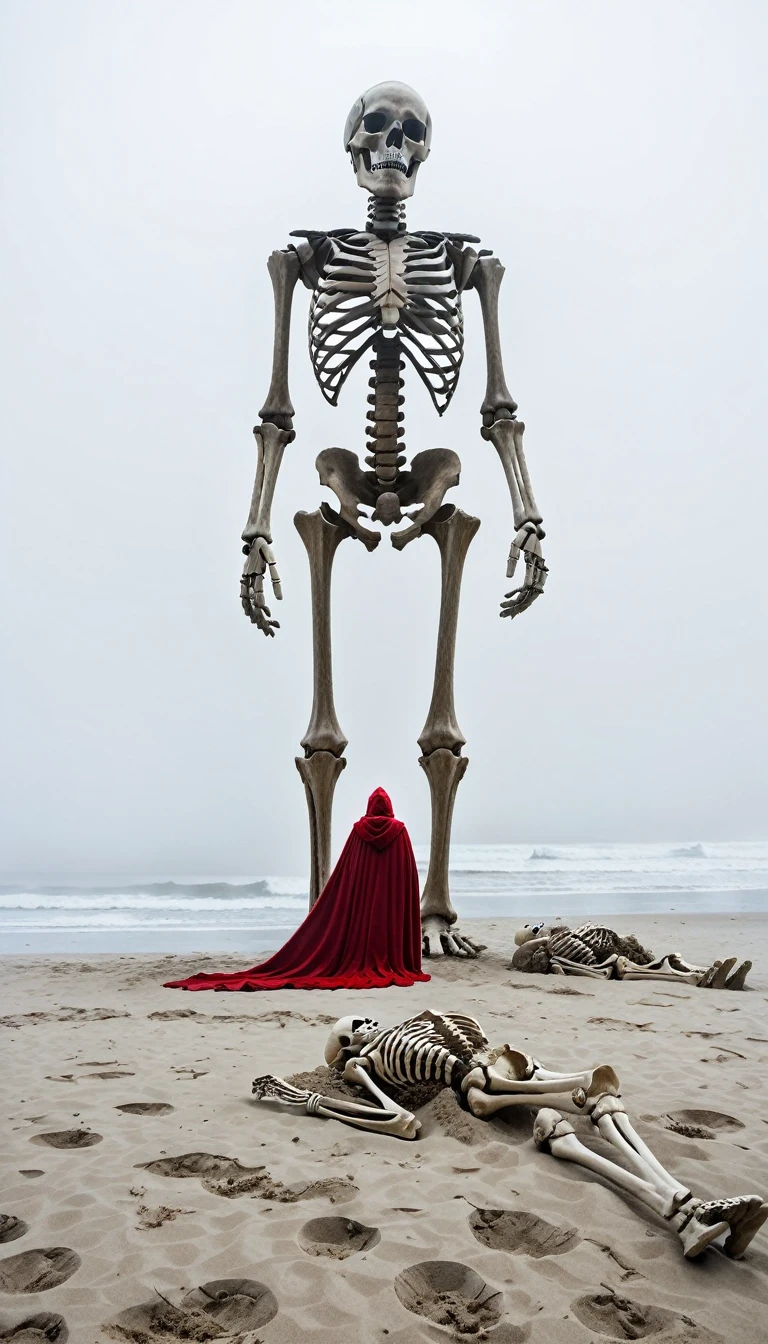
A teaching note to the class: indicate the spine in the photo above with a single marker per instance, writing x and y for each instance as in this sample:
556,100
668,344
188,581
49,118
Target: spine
384,426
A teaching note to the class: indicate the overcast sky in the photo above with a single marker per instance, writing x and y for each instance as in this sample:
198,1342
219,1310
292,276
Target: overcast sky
153,154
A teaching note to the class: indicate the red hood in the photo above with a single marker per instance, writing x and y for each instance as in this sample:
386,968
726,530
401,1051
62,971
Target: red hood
379,826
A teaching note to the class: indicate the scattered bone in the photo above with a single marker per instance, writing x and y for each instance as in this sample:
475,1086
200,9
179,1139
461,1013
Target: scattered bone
37,1271
145,1108
196,1073
337,1238
629,1271
31,1172
228,1177
11,1228
451,1294
44,1327
68,1138
522,1233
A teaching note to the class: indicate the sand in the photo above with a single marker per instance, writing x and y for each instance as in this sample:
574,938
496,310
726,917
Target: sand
282,1228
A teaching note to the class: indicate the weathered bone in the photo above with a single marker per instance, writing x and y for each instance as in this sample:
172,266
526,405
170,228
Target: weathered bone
271,442
562,966
432,473
453,536
323,741
451,1049
391,1119
339,469
486,278
441,738
284,270
319,773
322,539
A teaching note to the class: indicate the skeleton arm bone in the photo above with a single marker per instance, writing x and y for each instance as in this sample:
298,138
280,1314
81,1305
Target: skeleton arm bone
506,435
272,436
384,1118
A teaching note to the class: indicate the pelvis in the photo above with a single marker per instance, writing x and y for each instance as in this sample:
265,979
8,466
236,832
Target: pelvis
424,485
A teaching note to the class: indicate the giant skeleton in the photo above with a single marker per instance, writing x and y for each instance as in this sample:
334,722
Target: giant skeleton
452,1050
396,295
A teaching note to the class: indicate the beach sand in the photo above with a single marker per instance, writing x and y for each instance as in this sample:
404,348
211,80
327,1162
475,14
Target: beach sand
133,1073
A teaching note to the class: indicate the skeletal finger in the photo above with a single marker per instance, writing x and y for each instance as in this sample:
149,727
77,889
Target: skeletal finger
277,587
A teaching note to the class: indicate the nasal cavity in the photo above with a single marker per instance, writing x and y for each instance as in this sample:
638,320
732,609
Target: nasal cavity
395,137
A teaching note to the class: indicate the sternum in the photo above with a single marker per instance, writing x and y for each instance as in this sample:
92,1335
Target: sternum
385,420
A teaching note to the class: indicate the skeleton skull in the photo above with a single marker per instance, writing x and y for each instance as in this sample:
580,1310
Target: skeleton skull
527,932
348,1035
387,134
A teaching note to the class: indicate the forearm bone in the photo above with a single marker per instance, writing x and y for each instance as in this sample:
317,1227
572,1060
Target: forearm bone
276,428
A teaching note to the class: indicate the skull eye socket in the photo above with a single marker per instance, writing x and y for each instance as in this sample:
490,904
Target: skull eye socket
375,121
357,1023
415,130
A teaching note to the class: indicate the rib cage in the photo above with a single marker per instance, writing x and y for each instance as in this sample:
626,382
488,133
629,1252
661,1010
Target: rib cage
430,1048
408,285
589,945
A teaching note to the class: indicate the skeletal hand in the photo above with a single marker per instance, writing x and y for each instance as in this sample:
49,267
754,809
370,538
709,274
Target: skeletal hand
526,546
439,938
261,558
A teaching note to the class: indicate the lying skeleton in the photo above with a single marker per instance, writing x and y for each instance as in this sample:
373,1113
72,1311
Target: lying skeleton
452,1050
594,950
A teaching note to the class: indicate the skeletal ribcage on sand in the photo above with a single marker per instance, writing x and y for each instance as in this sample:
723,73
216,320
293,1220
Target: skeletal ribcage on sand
589,945
406,286
430,1048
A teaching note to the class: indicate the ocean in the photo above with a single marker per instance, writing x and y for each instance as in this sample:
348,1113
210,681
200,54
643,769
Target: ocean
67,913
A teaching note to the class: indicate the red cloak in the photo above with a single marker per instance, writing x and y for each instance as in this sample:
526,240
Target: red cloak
364,930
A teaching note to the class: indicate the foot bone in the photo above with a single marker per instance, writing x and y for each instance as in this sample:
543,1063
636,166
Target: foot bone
440,938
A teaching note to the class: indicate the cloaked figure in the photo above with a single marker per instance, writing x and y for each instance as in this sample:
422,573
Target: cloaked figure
364,930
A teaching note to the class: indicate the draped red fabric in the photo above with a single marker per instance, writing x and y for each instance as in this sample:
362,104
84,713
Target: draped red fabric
364,930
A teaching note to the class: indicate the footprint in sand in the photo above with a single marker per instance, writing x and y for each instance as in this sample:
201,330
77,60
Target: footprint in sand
695,1124
236,1304
68,1138
11,1228
36,1271
706,1124
449,1293
43,1326
337,1238
228,1177
215,1310
521,1233
619,1318
145,1108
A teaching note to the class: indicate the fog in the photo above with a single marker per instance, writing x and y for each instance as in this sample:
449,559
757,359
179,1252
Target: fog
153,154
